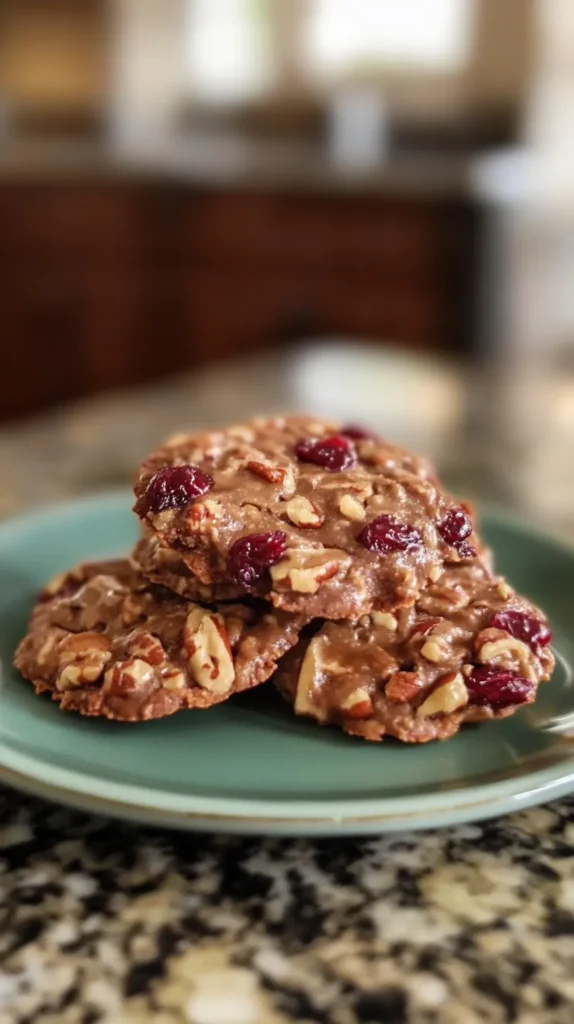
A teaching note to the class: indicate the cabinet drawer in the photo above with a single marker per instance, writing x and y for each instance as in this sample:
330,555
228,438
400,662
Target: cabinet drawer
229,313
64,220
365,308
311,231
41,328
133,328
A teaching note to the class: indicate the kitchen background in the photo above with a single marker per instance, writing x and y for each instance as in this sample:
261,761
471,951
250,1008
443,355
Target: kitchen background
215,207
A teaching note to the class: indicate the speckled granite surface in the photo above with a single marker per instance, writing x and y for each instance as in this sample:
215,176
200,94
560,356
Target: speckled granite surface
106,922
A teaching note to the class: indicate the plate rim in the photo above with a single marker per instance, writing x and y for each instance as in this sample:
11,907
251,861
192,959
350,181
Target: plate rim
240,814
456,813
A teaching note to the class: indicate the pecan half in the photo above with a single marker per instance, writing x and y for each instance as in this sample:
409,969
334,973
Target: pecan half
206,644
308,673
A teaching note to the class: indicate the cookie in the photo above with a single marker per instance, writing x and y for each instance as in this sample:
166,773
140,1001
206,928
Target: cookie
469,650
167,568
104,641
321,519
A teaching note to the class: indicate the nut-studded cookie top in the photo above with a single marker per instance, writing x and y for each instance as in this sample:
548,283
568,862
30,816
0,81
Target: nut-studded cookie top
322,519
470,649
104,641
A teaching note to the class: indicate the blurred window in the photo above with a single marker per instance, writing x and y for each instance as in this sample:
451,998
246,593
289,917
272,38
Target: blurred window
229,49
423,35
237,50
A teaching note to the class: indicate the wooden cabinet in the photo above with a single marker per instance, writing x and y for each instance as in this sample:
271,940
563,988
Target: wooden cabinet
40,336
105,284
314,231
262,265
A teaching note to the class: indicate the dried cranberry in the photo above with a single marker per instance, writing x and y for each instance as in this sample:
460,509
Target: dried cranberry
250,557
174,487
523,627
497,687
386,533
357,433
332,453
455,527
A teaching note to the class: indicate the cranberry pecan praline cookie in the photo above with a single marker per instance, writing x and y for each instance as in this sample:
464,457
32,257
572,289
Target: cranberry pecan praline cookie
104,641
167,568
469,650
321,519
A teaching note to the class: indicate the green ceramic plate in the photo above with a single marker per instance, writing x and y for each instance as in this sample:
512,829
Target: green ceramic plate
250,765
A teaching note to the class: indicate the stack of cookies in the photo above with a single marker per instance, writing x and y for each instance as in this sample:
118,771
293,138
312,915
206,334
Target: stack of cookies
304,552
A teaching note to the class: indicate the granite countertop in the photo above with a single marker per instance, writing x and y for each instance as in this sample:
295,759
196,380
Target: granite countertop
103,921
233,159
109,922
